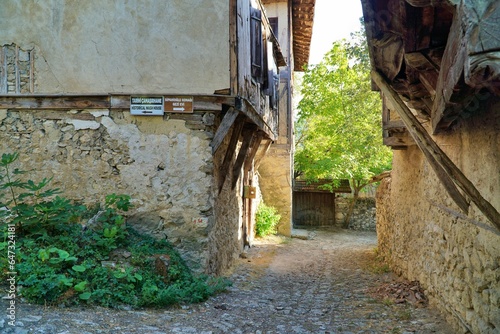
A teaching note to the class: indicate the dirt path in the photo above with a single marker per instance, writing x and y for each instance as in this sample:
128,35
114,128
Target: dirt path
321,285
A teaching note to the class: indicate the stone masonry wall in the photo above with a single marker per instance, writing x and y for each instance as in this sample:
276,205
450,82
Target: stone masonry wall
92,153
364,216
424,237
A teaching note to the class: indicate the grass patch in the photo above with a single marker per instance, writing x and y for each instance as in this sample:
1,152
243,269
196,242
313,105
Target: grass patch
59,261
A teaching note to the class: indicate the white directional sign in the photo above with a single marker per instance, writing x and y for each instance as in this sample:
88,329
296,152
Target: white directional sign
146,105
180,104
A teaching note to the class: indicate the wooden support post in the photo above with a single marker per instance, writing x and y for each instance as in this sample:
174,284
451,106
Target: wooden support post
223,129
248,135
446,170
224,171
254,147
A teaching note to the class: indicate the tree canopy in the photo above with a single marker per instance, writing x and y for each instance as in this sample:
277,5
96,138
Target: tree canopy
339,128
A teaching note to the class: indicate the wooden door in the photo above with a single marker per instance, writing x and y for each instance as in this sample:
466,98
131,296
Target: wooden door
313,209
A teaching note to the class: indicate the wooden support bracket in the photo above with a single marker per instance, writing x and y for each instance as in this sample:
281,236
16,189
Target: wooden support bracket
223,129
247,134
446,170
235,135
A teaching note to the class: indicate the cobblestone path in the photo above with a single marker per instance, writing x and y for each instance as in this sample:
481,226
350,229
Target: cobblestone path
321,285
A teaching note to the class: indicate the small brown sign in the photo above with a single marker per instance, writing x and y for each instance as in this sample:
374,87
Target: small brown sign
179,104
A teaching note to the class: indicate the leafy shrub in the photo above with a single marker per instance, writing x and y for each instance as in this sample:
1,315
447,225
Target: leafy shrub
60,261
266,220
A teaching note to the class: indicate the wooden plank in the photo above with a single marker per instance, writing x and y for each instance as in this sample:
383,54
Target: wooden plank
396,124
399,140
313,209
243,105
452,66
233,48
444,167
32,71
223,129
254,148
55,102
247,135
228,157
99,101
262,152
3,71
388,53
426,3
427,72
16,70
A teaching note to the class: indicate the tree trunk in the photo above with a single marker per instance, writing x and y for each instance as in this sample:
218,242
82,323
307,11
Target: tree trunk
356,186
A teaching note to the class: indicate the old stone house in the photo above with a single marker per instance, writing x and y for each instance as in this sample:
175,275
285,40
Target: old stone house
174,103
437,66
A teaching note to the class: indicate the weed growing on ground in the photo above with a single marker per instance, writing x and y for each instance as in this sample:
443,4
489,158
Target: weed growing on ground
378,265
266,220
405,314
61,261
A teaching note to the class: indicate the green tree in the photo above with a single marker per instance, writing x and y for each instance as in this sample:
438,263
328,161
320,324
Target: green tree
339,131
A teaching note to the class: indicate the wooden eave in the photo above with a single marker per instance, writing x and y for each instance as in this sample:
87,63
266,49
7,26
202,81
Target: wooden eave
302,27
437,55
432,59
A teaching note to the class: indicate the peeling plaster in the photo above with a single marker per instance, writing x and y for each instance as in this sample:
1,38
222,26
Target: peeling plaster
81,125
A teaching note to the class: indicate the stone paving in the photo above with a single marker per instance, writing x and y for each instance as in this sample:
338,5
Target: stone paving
319,285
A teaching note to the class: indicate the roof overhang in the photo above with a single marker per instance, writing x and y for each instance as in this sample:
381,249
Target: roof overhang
302,27
436,54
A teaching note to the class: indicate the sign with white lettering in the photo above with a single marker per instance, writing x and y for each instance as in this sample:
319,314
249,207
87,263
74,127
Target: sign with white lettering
180,104
147,105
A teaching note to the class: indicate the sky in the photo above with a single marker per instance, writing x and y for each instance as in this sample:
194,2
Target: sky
333,20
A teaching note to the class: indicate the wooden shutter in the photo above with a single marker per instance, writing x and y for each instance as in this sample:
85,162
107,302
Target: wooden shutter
256,43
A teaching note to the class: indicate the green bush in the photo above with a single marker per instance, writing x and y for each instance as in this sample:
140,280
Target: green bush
59,261
266,220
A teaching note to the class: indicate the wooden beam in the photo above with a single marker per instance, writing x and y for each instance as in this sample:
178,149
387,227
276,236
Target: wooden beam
452,66
263,150
55,102
394,124
426,3
99,101
228,158
446,170
233,48
399,139
247,134
254,147
243,105
223,129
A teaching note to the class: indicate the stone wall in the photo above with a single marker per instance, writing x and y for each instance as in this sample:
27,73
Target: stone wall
364,215
92,153
424,237
226,238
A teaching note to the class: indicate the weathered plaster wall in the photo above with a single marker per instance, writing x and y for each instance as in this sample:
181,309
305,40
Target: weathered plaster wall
92,153
423,237
138,46
280,10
